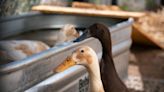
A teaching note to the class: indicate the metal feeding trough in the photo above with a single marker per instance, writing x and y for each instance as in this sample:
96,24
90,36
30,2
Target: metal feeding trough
34,74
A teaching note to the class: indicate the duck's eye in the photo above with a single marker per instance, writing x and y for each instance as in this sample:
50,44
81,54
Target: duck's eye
82,51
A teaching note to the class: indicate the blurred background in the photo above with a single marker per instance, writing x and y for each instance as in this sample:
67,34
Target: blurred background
15,7
146,65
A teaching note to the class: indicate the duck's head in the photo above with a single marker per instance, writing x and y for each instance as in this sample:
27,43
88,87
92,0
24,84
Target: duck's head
70,31
82,56
99,31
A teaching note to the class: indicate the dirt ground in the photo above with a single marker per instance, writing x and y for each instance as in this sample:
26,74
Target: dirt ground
146,69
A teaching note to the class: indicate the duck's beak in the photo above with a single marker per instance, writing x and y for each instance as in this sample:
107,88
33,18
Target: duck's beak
67,63
85,35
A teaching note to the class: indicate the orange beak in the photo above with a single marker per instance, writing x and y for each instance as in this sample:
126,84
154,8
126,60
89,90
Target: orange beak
67,63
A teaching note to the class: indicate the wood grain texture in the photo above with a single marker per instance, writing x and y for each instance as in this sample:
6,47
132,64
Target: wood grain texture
85,5
143,37
87,12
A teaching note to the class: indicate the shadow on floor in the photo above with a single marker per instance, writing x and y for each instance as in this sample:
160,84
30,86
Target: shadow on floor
146,69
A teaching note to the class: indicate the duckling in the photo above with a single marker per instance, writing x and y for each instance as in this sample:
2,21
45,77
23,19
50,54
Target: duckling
86,57
110,78
11,50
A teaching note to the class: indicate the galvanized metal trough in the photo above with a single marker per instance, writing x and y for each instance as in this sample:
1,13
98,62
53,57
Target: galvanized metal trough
34,74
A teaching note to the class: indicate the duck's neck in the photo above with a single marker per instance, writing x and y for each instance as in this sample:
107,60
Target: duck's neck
94,76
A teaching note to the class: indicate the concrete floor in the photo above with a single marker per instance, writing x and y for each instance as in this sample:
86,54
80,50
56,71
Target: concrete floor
146,70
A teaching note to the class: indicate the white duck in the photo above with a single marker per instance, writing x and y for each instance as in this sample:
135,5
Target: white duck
11,50
86,57
50,37
67,33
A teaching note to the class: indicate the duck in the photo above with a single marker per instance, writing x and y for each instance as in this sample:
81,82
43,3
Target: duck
16,48
50,37
86,57
67,33
12,50
110,79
